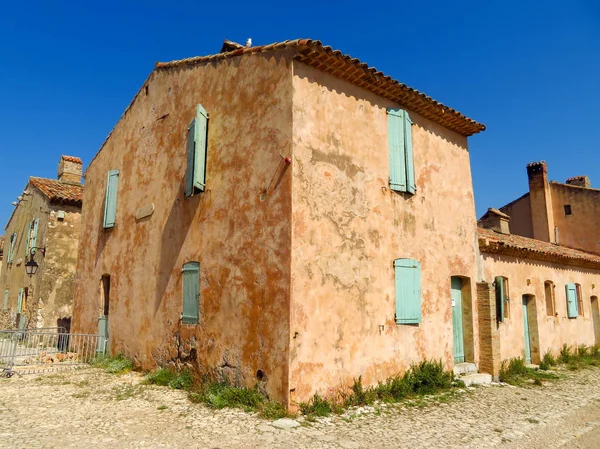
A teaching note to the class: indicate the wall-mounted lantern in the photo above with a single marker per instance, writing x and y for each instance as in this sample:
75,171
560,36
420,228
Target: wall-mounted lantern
31,266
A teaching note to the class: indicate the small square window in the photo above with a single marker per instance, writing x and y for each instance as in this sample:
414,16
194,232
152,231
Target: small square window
568,209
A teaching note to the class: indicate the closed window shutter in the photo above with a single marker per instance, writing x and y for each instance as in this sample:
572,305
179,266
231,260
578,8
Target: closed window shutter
20,301
396,149
196,153
407,273
5,299
110,204
408,153
500,298
571,290
191,292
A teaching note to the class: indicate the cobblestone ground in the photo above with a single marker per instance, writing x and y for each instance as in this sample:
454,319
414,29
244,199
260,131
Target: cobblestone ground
88,408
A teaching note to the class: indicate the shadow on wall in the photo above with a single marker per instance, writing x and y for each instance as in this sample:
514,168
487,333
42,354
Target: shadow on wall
348,89
174,235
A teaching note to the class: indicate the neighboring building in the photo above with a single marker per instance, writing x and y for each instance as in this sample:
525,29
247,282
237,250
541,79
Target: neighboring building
47,216
285,215
538,296
566,214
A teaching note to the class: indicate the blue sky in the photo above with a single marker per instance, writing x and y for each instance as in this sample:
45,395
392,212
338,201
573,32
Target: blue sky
529,70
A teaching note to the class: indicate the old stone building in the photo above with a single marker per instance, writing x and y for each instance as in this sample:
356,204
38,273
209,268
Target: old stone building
281,214
44,227
561,213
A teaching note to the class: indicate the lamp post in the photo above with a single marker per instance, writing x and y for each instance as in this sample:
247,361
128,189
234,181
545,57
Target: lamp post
31,266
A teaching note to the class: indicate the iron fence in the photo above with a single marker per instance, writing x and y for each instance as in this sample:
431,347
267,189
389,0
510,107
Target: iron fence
43,348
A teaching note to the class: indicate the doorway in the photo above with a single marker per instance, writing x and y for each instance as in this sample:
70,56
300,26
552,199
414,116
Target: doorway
103,319
457,320
596,318
530,330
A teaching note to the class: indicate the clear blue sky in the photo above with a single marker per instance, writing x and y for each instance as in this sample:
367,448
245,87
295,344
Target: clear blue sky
68,69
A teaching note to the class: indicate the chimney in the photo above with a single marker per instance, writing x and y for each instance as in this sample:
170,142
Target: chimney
580,181
542,215
495,220
69,170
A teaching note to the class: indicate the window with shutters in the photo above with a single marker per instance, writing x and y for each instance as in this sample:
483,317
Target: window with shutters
407,274
579,300
31,237
191,293
110,202
11,248
5,306
502,298
197,144
550,301
402,169
572,302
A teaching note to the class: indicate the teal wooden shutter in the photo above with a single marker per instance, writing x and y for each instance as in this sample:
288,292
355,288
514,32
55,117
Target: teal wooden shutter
396,149
407,274
572,306
5,299
191,292
20,301
27,239
35,231
196,153
500,298
408,153
110,204
11,248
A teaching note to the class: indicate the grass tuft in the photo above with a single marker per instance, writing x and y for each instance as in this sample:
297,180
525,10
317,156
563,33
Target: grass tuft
117,364
178,380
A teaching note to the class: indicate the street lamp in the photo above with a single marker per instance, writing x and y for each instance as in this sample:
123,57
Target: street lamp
31,266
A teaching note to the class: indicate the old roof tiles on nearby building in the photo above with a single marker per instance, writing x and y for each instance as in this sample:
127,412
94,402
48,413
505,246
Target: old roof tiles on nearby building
72,159
342,66
515,245
58,192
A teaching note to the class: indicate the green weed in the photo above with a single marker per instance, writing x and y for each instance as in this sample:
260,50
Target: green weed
118,364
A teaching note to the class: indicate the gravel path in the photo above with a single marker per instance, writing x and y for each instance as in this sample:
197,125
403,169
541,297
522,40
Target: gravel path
88,408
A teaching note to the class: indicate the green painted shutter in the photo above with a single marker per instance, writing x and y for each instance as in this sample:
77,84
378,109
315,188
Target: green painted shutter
35,231
5,299
27,238
500,298
195,178
408,152
191,292
110,204
11,248
408,291
20,301
572,306
396,149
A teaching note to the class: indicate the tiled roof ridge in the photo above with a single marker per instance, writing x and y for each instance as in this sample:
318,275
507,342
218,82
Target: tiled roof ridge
516,245
314,53
72,159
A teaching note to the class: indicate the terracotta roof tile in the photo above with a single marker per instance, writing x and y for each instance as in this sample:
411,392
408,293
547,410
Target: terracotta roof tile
72,159
59,192
334,62
515,245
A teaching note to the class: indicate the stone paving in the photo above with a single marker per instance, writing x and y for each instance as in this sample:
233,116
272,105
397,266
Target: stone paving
88,408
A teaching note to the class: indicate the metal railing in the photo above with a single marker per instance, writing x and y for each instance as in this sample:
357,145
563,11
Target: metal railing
42,349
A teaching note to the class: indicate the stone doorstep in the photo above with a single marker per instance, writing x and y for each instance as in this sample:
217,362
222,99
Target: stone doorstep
464,368
476,379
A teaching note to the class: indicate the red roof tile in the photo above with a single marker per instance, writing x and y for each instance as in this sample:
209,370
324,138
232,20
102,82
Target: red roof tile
59,192
335,63
72,159
515,245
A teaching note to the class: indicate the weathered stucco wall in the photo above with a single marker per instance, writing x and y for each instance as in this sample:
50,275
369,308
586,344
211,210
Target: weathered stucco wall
519,212
581,229
348,227
238,229
58,276
13,275
527,277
